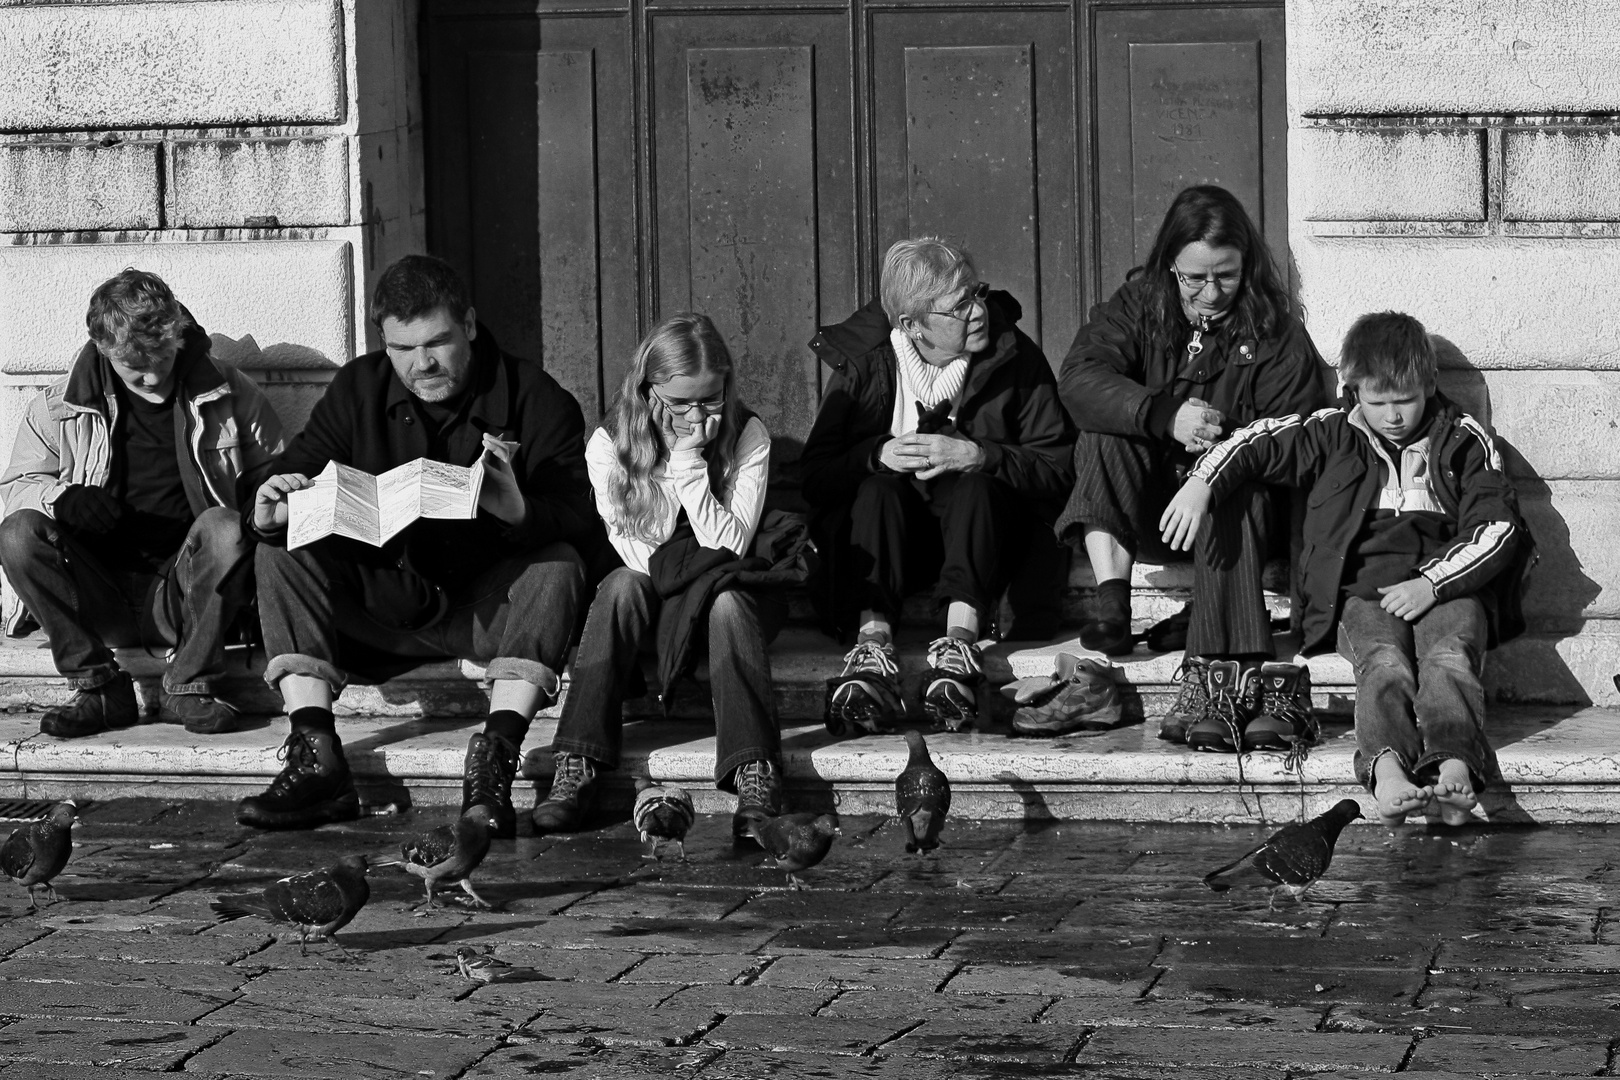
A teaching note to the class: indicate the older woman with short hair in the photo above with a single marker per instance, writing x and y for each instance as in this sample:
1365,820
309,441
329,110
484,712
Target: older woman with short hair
940,449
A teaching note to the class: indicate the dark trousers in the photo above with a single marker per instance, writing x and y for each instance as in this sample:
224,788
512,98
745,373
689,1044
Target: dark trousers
741,626
87,610
516,618
957,533
1122,485
1418,694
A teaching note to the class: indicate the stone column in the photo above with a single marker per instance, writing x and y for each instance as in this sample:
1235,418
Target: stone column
261,155
1460,160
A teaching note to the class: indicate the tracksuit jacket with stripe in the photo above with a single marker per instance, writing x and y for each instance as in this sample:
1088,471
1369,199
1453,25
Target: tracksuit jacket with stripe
1335,455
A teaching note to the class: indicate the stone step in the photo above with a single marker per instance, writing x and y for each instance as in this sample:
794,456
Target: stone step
1561,764
801,658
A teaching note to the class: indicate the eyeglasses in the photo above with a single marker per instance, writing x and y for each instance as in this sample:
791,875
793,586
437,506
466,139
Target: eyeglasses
685,408
1223,282
964,310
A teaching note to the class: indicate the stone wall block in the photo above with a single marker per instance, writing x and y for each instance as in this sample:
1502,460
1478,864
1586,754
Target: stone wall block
229,182
293,296
1560,425
1502,302
1377,58
1372,175
53,187
1544,667
1578,578
1561,176
115,65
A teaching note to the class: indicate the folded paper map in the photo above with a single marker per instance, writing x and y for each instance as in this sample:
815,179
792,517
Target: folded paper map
374,509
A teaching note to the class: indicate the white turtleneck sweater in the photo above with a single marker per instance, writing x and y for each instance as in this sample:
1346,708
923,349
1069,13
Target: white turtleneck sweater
921,383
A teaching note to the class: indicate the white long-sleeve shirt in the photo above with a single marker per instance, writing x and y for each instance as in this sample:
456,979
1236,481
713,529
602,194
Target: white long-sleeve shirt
728,521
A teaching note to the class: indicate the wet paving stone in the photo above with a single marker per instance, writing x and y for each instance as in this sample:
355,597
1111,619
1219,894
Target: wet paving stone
760,1065
753,999
1290,986
1481,956
256,1052
144,948
207,978
968,1039
1171,1047
959,909
856,973
691,970
100,1043
594,1025
983,1009
589,1063
695,905
816,1034
150,1004
1476,1019
1086,954
1096,1012
1052,980
1492,1054
331,1013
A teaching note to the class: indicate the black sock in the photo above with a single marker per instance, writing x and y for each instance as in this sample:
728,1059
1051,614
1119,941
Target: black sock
1114,599
313,718
509,725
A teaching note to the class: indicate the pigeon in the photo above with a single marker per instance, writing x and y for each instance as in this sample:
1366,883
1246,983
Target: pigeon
795,841
922,797
319,903
36,853
449,854
662,813
480,966
1293,857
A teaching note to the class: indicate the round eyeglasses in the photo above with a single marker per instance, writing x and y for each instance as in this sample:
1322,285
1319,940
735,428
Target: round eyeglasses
964,310
685,408
1223,282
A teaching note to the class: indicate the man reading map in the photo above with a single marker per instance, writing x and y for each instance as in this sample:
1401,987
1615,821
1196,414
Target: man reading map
386,582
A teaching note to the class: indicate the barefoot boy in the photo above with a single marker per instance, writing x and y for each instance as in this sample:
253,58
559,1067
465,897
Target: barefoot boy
1413,552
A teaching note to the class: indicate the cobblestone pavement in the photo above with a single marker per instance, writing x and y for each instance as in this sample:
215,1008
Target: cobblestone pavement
1020,950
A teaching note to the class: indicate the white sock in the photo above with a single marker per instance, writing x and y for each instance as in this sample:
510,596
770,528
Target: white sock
962,619
873,626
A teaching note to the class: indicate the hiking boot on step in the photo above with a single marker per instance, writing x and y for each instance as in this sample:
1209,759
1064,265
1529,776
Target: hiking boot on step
201,714
864,698
110,705
950,695
1192,701
313,788
1286,717
1234,693
1081,696
565,809
486,780
759,794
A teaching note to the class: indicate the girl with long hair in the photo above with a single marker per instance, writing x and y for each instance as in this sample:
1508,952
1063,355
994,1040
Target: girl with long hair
679,469
1198,342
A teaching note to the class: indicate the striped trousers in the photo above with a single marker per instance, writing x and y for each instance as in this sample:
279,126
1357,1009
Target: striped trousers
1123,483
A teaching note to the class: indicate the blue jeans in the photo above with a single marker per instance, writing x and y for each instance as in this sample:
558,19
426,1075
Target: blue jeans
87,610
1418,694
741,626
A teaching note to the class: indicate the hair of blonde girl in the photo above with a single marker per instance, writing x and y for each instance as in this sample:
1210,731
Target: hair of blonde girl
683,344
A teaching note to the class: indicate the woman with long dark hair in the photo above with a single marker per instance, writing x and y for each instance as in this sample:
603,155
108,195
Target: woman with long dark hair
1199,341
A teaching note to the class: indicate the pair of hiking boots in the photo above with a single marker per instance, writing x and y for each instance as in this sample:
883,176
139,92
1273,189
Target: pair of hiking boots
865,697
1228,705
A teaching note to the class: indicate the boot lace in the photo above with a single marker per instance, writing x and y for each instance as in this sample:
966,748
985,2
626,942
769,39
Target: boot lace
491,772
1194,696
574,771
953,656
299,757
870,658
755,785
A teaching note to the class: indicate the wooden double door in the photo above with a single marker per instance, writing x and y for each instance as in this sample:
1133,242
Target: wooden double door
594,165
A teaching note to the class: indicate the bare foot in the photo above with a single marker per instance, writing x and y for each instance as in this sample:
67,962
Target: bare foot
1454,791
1395,792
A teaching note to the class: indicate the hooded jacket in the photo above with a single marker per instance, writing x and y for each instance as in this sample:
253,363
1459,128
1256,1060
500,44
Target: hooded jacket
1009,406
1113,383
228,436
1336,455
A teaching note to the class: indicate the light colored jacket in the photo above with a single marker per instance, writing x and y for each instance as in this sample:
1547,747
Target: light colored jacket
65,438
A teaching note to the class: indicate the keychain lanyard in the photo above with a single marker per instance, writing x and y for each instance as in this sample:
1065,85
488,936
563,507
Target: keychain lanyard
1196,345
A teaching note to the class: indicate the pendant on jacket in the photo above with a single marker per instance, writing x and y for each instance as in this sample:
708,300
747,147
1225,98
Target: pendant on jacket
1196,345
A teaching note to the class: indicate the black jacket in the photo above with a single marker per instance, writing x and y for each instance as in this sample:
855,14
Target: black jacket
1113,383
369,420
688,576
1491,550
1009,406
